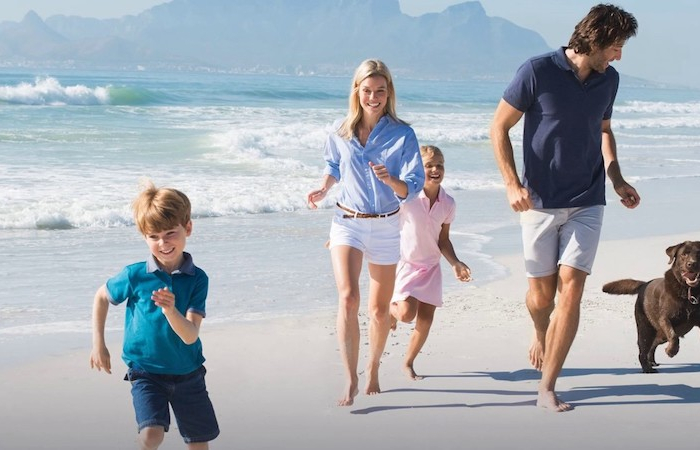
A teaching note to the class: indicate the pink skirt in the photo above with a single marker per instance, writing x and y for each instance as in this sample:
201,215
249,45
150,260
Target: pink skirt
423,283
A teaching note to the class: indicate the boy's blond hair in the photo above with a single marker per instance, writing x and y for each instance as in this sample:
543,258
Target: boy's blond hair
160,209
428,151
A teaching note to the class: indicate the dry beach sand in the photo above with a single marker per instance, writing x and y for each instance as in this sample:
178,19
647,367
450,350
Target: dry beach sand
274,383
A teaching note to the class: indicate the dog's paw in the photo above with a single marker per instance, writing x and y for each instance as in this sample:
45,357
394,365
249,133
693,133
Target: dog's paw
672,350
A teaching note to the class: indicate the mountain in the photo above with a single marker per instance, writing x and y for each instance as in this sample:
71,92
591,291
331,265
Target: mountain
283,36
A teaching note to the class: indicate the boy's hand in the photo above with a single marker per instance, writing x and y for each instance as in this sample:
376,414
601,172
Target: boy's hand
164,298
462,272
100,359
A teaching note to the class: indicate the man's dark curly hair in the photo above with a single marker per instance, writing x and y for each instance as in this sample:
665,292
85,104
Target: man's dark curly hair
604,25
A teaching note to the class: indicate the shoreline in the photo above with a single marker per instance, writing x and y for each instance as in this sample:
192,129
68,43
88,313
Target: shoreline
274,382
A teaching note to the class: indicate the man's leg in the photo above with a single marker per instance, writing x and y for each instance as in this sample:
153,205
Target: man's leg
540,303
560,335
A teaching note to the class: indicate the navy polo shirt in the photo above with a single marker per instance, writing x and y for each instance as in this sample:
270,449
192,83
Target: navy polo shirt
563,162
149,341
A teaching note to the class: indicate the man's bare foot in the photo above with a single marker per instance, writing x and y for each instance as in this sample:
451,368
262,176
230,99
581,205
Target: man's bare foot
550,401
410,373
350,395
536,352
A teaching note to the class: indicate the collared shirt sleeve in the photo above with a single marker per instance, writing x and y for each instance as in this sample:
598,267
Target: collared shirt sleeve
412,172
119,288
198,295
520,93
331,154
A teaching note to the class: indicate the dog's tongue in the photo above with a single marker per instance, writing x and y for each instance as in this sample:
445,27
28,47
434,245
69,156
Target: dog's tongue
691,278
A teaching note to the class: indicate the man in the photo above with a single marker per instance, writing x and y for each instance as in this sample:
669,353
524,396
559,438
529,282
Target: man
567,99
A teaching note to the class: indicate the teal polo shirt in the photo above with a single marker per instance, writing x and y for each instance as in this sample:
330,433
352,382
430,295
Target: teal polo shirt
149,341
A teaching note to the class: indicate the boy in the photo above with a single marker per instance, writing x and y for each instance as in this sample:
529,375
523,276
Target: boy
165,300
425,237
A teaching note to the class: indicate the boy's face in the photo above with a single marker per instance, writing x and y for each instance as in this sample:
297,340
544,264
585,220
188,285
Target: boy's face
434,169
167,246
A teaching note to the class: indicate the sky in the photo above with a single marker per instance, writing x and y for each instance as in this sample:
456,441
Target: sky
661,51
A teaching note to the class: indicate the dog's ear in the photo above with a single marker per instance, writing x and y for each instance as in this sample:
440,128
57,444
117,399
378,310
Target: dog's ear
672,251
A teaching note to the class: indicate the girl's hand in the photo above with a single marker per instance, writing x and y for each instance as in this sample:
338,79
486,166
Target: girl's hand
462,272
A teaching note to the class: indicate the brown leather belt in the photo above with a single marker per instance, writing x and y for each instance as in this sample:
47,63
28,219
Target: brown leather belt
359,215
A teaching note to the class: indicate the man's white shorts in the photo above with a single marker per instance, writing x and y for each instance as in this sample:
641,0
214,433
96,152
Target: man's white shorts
561,236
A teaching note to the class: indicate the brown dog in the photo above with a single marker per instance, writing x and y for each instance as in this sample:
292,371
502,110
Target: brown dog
667,308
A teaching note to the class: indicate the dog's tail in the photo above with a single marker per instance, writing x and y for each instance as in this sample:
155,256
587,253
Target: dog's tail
623,287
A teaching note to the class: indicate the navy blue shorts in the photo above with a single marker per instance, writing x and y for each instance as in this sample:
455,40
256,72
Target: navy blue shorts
154,394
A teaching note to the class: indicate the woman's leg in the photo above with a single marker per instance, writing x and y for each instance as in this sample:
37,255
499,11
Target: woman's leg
381,288
347,265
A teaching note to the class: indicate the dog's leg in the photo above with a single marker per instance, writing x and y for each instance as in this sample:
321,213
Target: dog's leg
671,337
647,339
647,348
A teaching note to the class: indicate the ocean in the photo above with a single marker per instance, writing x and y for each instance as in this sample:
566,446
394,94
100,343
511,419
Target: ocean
75,146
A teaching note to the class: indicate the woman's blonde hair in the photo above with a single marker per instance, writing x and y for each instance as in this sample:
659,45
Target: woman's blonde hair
160,209
368,68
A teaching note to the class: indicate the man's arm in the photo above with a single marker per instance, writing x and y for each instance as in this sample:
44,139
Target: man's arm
504,119
628,195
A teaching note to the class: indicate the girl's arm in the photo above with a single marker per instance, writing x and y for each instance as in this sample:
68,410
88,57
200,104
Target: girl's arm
462,271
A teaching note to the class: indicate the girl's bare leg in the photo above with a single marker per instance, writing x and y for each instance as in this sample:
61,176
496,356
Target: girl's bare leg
424,320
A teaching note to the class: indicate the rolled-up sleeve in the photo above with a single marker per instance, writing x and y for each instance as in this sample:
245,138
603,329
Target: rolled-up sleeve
412,172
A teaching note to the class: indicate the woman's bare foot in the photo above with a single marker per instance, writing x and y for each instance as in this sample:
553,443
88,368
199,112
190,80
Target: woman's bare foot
536,352
550,401
350,395
372,387
410,373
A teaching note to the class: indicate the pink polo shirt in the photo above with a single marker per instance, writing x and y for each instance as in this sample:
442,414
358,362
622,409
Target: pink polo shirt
418,273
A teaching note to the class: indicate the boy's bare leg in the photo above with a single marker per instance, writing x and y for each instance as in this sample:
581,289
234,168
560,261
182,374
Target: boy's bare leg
347,265
424,320
150,438
198,446
381,288
560,336
540,303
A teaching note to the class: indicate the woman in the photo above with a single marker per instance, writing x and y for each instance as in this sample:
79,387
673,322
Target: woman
376,156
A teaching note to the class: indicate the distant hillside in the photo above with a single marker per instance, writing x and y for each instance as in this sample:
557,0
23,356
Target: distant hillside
281,36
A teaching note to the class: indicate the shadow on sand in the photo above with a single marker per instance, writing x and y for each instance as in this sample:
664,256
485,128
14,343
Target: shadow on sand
646,394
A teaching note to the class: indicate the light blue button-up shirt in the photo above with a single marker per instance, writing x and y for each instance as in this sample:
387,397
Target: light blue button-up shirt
390,143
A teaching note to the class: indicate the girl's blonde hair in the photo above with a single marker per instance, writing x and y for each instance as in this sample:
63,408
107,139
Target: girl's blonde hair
160,209
368,68
428,151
